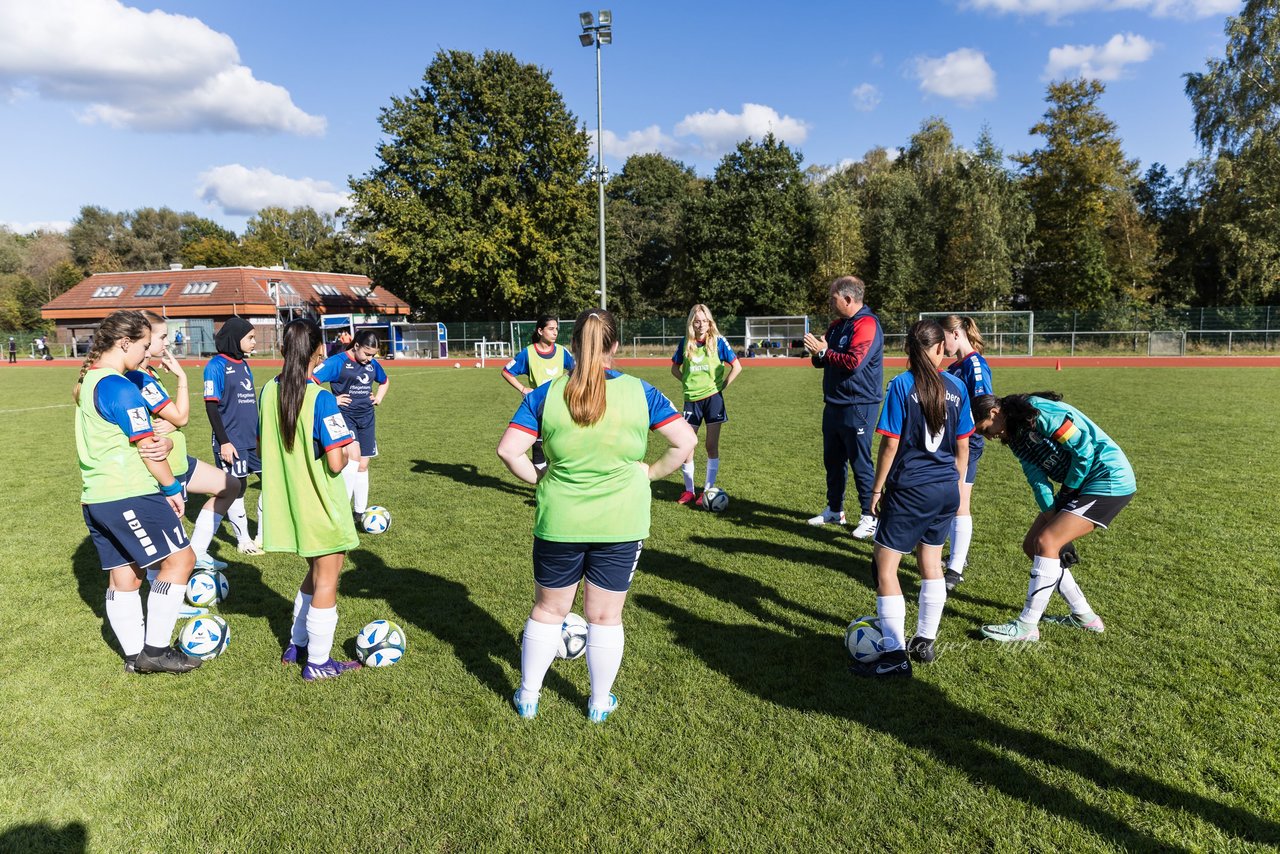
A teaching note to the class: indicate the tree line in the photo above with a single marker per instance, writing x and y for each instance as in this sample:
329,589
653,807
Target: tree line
481,204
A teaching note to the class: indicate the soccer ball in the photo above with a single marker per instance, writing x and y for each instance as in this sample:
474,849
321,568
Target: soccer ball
457,364
204,637
573,637
376,520
380,644
207,587
863,638
715,499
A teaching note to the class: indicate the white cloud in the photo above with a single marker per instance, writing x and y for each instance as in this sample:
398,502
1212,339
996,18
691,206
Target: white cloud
1057,9
962,75
707,135
62,226
151,71
649,140
866,97
1100,62
241,191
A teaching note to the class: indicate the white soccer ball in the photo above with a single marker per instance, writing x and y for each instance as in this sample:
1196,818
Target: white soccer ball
477,364
206,588
863,638
715,499
573,637
204,637
457,364
380,644
375,520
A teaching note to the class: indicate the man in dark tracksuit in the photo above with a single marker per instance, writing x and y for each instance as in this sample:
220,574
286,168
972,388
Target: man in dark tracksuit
851,356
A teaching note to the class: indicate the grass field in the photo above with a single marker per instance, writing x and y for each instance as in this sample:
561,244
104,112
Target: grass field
739,727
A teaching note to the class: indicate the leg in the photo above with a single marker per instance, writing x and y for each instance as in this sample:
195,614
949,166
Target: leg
350,469
321,618
541,642
891,608
609,571
835,458
933,597
1044,542
210,480
961,536
686,468
864,469
713,453
362,485
124,610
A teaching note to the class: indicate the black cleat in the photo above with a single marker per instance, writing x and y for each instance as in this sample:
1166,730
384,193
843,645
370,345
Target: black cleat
130,664
953,579
168,661
887,666
921,649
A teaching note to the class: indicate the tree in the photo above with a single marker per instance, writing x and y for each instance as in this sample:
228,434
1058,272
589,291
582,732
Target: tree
95,234
479,204
838,246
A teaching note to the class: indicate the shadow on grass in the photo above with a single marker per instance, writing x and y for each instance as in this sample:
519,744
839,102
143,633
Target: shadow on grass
772,666
443,608
42,837
469,475
856,565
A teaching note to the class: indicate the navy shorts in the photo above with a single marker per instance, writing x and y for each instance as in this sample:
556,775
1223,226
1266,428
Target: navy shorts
362,426
609,566
917,515
245,464
185,477
975,454
1101,510
142,530
709,409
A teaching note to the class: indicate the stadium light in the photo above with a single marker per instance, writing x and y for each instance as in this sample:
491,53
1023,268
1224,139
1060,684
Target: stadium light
598,34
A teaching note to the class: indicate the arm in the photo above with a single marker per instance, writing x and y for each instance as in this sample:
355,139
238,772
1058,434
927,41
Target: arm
864,334
179,413
382,391
164,476
1082,448
514,383
513,449
1041,487
962,457
735,368
336,458
682,441
884,462
225,449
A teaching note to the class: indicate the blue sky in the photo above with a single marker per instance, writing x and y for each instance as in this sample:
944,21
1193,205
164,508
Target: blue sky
224,108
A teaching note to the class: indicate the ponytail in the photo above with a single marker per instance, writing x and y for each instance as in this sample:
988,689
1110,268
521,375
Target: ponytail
119,324
923,337
595,333
952,322
365,338
301,339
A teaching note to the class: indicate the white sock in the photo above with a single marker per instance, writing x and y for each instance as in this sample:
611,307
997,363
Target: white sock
239,521
206,524
1072,593
163,603
301,606
892,611
124,614
349,479
961,535
604,657
933,597
1045,573
321,624
713,468
362,491
686,469
259,536
538,650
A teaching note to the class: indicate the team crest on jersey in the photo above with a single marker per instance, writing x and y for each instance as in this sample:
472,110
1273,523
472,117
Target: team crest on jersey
152,395
336,425
138,419
551,372
247,384
697,358
364,379
844,342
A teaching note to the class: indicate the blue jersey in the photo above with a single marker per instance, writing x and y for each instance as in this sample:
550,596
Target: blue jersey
229,383
519,366
330,429
1065,446
529,416
153,393
347,376
923,457
120,402
975,373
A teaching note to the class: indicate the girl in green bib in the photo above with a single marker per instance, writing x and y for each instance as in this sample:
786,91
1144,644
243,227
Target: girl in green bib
538,364
301,437
705,364
593,502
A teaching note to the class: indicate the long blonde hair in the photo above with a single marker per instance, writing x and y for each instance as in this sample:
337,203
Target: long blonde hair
595,333
119,324
713,331
952,322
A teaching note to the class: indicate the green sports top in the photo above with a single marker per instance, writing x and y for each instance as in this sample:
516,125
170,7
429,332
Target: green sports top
110,467
594,489
544,369
304,505
701,369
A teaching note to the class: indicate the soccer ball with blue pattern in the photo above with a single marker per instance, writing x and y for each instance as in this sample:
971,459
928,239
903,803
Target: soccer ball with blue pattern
863,639
573,637
204,637
375,520
206,588
715,499
380,644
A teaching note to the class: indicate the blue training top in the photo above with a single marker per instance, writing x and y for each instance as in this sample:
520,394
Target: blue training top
923,458
347,376
975,373
229,382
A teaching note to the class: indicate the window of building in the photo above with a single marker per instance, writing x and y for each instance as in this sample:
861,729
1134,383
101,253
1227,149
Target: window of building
326,290
153,290
198,288
362,292
108,292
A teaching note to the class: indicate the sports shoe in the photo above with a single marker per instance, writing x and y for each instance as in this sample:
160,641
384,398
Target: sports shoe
921,649
953,579
328,670
699,503
293,654
866,527
889,665
168,661
826,517
599,716
131,664
249,547
1014,630
685,497
1088,622
527,711
210,562
188,611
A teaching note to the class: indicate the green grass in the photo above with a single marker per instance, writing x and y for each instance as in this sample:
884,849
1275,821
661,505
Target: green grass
739,726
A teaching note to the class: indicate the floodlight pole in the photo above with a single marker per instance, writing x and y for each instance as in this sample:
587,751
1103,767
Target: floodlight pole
599,31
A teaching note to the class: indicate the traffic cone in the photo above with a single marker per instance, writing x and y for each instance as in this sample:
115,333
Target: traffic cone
1059,367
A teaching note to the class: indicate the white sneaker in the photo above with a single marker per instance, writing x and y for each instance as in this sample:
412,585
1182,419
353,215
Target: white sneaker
827,517
866,527
210,562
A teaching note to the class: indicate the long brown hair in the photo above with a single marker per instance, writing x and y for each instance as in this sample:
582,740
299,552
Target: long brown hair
952,322
118,324
595,332
923,337
1019,413
300,340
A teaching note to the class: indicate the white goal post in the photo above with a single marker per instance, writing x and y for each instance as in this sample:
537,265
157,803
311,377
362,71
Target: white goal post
1006,333
522,333
780,333
486,350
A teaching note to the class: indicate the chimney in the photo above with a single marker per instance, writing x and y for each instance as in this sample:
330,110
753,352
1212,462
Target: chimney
175,266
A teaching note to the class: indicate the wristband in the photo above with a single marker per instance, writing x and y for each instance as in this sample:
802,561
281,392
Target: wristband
172,489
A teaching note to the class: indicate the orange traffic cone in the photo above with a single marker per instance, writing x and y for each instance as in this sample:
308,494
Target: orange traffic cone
1059,367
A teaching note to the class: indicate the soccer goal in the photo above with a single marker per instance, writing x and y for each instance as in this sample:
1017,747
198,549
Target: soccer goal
486,350
522,333
776,336
1006,333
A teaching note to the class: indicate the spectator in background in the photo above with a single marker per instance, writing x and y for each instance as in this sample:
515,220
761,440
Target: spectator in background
13,351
